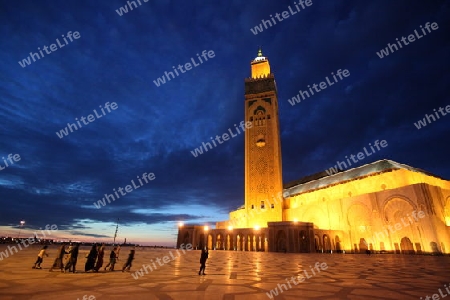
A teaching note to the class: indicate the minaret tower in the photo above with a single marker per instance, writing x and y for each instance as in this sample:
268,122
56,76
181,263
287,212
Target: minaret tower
263,177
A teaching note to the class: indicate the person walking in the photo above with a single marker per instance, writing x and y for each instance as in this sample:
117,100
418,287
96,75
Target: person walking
112,259
91,258
203,258
73,258
100,255
40,258
58,263
127,265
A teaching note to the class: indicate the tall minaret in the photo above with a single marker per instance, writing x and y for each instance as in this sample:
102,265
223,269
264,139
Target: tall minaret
263,177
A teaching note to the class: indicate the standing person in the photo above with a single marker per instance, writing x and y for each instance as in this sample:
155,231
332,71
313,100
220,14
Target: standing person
68,250
40,258
127,264
203,258
58,263
117,253
91,257
100,255
112,260
73,258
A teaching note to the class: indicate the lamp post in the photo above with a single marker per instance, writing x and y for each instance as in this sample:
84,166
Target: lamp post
22,222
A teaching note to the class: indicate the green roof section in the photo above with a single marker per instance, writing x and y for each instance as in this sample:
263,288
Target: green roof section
322,179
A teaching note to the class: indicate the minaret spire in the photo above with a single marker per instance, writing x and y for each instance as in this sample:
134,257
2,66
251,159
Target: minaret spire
260,66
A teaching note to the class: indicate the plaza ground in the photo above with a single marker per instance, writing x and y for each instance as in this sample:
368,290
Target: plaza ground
230,275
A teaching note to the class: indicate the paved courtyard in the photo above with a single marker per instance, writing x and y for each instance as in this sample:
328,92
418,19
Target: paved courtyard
229,276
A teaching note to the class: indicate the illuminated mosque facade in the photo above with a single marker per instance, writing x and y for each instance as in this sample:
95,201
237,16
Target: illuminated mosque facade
381,206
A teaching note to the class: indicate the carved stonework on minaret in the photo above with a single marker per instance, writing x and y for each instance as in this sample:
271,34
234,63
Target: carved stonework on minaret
253,86
262,145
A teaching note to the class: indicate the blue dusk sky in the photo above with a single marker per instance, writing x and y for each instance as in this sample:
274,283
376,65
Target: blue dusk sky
116,58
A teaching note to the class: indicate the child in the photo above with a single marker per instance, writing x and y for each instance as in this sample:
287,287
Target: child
40,258
127,265
112,259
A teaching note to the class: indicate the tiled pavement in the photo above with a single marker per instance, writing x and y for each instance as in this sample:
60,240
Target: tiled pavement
230,276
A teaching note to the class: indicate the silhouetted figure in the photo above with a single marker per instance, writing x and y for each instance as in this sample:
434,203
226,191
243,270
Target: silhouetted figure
368,252
112,259
130,258
73,258
40,258
67,251
58,263
90,262
203,258
100,255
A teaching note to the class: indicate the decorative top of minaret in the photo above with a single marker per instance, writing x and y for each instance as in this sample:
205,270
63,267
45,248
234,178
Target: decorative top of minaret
260,56
260,66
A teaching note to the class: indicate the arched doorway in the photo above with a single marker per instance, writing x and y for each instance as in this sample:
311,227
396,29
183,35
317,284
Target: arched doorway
249,244
434,248
326,243
406,246
210,241
338,244
202,242
363,246
238,243
219,242
280,242
303,242
317,244
229,242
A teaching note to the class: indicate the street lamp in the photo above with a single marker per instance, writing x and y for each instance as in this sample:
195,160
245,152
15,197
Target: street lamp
22,222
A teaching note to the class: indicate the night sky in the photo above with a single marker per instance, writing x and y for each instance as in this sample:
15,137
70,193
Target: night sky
153,129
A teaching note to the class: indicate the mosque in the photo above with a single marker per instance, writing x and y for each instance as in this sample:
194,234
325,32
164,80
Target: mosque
383,206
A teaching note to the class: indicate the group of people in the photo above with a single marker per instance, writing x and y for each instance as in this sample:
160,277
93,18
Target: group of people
66,259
